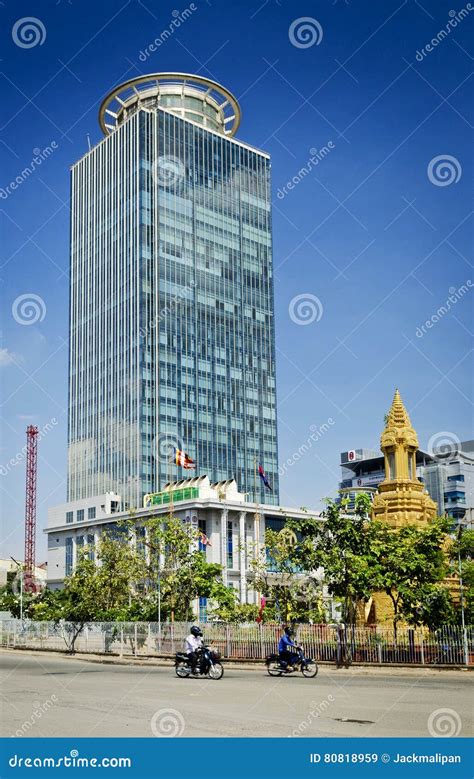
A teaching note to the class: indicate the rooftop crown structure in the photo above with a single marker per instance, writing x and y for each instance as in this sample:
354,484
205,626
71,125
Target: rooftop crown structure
401,497
195,98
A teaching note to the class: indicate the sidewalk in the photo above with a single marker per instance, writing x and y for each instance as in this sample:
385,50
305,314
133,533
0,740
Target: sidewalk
166,661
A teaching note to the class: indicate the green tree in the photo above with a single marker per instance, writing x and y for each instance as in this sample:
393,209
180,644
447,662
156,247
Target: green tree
118,579
11,601
235,612
95,592
181,569
275,574
285,577
461,558
408,561
72,607
122,583
342,546
308,604
433,607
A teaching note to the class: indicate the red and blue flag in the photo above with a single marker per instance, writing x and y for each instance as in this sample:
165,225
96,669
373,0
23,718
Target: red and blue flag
264,478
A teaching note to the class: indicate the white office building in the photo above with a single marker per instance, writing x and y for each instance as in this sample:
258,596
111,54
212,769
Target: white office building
233,527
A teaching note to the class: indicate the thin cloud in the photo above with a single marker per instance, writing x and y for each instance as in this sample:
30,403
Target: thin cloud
6,357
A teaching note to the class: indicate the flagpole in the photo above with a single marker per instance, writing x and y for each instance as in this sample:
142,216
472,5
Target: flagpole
169,485
171,513
257,520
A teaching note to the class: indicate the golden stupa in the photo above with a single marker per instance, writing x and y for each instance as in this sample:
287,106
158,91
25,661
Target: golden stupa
401,498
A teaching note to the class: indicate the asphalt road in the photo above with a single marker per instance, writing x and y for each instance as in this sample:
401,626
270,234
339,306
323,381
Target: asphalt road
58,696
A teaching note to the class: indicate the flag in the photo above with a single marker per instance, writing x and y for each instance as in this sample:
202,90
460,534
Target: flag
183,459
204,539
263,477
263,602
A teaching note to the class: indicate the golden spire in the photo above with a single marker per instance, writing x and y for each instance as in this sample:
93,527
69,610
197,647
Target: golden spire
401,497
399,430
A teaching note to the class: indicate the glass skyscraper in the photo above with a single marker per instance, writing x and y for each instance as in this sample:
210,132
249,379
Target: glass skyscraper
172,316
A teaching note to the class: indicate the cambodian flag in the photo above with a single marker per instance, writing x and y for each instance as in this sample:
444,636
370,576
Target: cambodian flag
263,477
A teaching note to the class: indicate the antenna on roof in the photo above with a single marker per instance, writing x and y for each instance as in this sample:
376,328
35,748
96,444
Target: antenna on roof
89,141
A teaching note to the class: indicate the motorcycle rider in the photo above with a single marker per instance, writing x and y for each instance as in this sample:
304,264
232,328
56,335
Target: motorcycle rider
286,656
193,646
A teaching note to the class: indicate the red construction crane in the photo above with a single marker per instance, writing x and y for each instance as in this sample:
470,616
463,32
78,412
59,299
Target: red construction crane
30,507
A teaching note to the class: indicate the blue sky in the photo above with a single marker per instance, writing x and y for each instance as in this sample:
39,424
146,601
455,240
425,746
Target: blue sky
375,238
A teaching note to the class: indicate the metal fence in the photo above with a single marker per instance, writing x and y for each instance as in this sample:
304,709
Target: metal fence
448,645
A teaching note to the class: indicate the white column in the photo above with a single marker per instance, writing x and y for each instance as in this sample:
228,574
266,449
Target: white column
195,528
74,551
223,561
243,557
259,534
97,537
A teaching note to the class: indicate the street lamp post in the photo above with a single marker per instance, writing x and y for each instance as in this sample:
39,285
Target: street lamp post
159,603
461,589
156,549
20,568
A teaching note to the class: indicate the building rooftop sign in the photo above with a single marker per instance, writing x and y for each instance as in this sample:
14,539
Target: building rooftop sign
195,487
165,496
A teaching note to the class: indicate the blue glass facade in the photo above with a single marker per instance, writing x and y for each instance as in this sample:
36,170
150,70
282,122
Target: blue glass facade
172,324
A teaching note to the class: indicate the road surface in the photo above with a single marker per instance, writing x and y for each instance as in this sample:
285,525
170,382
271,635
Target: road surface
44,695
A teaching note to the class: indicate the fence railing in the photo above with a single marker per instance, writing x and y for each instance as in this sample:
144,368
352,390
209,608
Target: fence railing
412,646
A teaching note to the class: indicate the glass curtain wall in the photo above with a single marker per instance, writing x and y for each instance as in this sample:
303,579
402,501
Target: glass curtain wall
172,326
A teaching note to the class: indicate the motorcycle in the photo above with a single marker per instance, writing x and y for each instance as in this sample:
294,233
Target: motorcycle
307,666
208,664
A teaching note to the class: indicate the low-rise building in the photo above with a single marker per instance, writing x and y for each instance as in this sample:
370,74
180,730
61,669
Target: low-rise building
450,479
12,569
231,528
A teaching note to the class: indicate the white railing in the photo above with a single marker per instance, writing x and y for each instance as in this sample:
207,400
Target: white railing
449,645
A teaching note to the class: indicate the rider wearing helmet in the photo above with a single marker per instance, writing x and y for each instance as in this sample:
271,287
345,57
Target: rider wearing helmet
285,646
193,645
